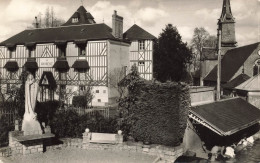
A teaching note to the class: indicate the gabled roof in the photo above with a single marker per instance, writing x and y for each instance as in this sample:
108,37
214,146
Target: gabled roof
252,84
231,62
65,34
137,33
83,16
227,116
236,81
51,81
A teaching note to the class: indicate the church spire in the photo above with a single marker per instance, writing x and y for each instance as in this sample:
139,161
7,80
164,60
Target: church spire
226,15
226,24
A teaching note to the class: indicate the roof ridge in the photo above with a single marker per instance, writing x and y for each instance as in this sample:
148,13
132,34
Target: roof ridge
64,26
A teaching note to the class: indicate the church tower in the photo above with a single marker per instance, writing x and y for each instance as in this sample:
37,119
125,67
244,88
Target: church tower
226,24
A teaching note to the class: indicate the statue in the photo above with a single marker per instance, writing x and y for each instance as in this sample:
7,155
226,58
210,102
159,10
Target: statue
30,124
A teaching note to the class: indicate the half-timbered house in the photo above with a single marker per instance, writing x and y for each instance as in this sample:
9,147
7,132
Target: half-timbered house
141,50
71,57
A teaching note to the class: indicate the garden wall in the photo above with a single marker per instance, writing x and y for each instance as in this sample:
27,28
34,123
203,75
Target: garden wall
165,153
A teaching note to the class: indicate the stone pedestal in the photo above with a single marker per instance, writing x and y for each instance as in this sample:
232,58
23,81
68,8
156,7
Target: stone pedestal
22,144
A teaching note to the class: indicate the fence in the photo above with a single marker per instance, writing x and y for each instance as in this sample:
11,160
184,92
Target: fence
10,114
104,111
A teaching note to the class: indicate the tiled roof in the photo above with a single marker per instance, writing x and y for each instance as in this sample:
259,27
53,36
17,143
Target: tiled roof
209,54
83,16
228,116
236,81
137,33
231,62
252,84
68,33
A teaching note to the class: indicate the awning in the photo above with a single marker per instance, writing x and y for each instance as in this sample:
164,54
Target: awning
81,41
60,42
30,45
81,64
31,64
226,117
11,66
47,79
61,65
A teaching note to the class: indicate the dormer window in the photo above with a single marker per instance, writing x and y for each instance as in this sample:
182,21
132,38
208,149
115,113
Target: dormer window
62,51
141,44
82,49
75,20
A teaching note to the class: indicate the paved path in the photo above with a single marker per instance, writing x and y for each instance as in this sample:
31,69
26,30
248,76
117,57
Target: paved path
80,156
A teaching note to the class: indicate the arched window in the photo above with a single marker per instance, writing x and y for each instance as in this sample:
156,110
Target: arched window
256,68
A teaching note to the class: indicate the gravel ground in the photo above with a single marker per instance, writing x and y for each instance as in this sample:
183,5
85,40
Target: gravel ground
79,156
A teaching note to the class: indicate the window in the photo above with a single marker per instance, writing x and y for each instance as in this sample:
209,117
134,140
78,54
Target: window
82,50
104,91
11,75
75,20
99,100
82,88
29,53
62,91
97,91
62,51
141,63
141,45
10,54
62,75
256,68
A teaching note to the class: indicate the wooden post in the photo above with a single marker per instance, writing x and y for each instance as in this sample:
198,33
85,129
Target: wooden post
219,65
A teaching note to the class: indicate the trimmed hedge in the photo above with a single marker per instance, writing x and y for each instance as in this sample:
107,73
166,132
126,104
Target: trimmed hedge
70,124
161,113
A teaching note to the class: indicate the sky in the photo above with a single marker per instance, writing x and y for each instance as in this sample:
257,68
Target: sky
151,15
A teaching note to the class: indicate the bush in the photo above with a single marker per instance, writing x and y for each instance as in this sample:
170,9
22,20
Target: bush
4,130
45,110
69,124
79,101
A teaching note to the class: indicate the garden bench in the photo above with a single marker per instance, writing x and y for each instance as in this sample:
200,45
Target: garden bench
103,138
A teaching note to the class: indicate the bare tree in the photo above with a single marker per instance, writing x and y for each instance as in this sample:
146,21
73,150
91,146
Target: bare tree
201,38
49,20
115,77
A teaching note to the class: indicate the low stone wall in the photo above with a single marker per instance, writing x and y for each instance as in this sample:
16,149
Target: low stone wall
25,148
166,154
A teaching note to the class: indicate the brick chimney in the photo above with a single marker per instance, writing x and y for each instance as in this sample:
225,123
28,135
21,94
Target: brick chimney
117,25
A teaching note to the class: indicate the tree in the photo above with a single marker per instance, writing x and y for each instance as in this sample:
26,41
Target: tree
201,38
49,20
171,55
116,76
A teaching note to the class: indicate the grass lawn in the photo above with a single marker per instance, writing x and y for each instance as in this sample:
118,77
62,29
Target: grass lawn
79,156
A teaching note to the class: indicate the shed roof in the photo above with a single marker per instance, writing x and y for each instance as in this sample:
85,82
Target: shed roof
137,33
236,81
66,33
227,116
231,62
252,84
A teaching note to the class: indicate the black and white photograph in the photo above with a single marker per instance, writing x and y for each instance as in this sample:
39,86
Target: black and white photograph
129,81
